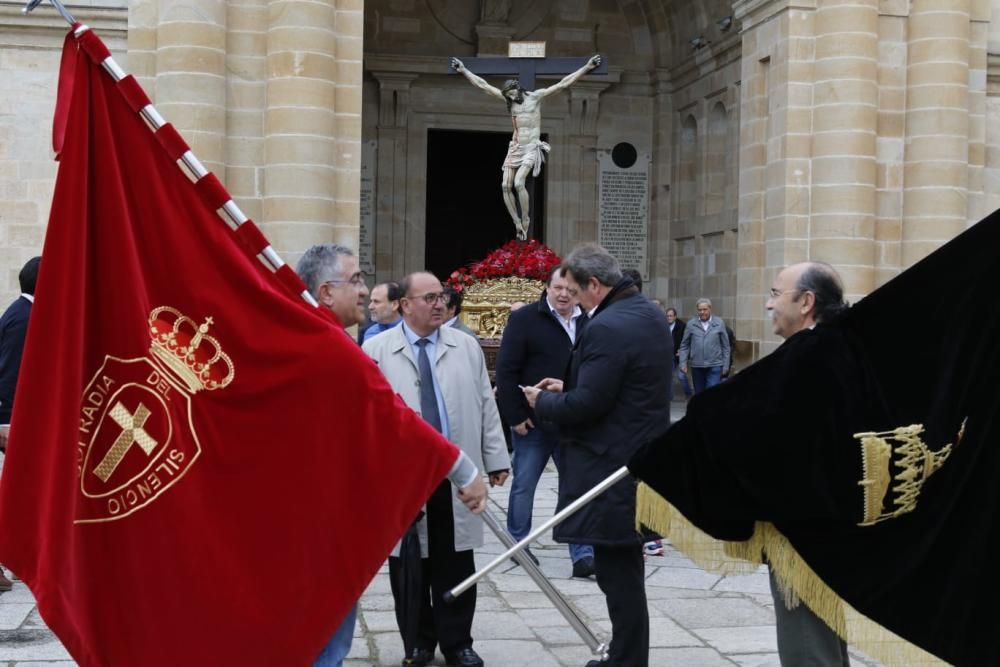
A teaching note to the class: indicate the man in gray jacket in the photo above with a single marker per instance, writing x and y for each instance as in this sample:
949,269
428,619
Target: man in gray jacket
705,352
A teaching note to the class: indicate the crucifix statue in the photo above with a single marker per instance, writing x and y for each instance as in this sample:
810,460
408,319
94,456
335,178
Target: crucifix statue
526,152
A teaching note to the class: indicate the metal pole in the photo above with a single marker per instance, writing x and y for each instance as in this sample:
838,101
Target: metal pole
596,646
470,581
29,6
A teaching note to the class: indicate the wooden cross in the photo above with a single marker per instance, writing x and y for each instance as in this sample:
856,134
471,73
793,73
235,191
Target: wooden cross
527,68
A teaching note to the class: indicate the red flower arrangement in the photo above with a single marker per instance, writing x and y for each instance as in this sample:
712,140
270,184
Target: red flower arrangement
524,259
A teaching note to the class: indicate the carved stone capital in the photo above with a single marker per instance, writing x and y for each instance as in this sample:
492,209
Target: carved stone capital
585,105
394,97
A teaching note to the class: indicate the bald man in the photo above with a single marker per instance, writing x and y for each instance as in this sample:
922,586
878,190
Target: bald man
802,296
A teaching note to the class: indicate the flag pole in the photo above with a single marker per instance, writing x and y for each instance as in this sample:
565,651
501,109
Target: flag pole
194,169
593,643
601,487
29,6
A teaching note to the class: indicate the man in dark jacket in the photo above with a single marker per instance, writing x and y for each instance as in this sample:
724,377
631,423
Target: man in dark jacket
537,344
13,330
613,400
677,325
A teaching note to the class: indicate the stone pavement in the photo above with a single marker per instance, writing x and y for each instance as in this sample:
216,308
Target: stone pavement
697,619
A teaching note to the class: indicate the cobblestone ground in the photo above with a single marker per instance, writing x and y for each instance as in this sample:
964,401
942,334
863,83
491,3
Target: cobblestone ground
697,619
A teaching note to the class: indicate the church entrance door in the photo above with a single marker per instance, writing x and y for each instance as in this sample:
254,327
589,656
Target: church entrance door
466,216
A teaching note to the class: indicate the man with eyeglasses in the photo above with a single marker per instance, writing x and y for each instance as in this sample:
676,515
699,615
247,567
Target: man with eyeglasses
802,296
441,373
537,343
330,273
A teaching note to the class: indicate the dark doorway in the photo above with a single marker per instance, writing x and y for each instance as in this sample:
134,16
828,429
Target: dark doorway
466,216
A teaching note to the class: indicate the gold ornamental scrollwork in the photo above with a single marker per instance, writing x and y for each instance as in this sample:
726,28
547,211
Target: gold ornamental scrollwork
914,461
486,305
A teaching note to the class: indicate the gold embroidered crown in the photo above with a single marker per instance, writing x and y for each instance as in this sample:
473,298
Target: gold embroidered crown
184,348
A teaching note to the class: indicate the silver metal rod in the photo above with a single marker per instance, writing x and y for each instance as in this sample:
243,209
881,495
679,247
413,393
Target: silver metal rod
608,482
113,68
29,6
596,646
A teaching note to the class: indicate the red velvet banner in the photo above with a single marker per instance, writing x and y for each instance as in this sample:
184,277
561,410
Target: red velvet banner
202,468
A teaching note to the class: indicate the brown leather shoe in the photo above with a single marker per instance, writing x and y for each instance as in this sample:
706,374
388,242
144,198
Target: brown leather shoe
5,583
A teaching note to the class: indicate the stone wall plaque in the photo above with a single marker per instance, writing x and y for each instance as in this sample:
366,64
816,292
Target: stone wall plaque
623,206
366,233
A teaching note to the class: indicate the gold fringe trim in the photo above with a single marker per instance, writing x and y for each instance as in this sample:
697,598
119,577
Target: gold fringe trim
794,577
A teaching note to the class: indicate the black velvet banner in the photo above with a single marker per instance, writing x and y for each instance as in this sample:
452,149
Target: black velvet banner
902,525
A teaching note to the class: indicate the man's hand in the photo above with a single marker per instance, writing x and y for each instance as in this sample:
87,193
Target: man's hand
594,62
473,496
524,427
4,429
499,477
684,369
457,65
531,395
551,384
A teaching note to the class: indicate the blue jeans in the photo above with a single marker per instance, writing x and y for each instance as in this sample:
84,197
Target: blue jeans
704,378
531,453
683,378
340,644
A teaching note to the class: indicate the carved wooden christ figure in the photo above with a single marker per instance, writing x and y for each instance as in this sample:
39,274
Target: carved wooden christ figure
526,152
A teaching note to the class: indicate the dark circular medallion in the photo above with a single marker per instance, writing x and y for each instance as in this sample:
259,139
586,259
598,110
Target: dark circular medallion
624,155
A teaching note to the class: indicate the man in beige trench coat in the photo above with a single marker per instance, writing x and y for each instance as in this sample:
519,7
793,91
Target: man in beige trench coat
441,373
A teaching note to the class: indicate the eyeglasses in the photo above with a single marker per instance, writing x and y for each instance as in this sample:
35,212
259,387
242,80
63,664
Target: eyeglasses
563,288
775,293
359,279
430,298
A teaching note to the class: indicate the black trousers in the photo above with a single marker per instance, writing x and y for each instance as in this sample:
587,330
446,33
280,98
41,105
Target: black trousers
449,625
621,577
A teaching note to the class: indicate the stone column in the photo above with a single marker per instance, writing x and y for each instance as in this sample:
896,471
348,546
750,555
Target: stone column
191,75
935,178
661,247
775,154
30,54
300,125
246,65
390,207
979,27
581,162
991,176
841,225
349,29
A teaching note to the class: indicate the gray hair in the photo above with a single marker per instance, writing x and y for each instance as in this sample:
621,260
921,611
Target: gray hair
707,302
824,282
592,261
320,264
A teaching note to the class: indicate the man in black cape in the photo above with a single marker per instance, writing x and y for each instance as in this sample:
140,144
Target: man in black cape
861,458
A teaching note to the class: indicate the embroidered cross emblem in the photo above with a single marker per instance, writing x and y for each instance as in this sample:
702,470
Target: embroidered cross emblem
132,432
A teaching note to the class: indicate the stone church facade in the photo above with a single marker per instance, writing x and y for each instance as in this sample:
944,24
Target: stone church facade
864,133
